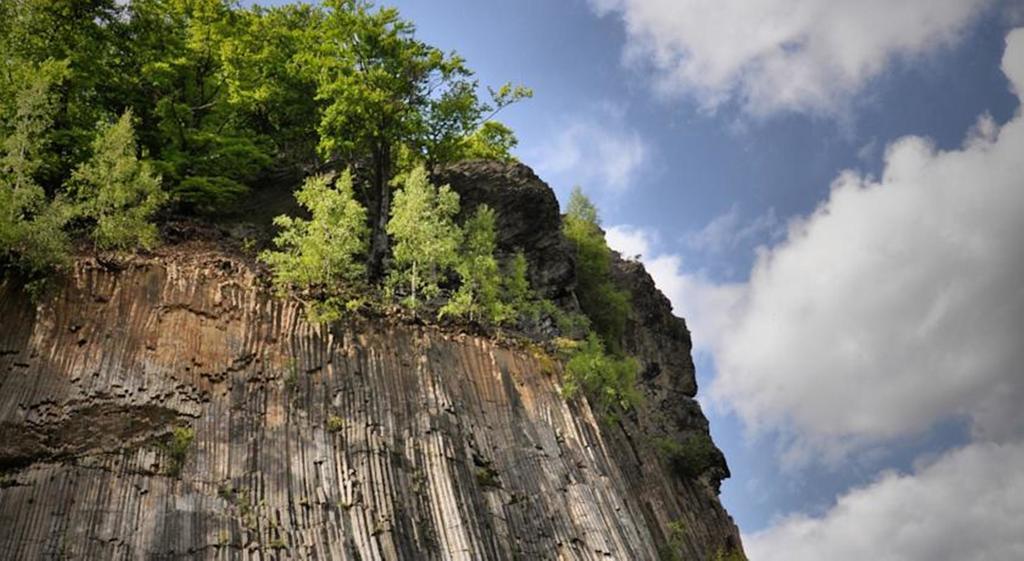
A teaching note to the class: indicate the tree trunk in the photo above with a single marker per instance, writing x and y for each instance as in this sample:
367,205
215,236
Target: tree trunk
382,188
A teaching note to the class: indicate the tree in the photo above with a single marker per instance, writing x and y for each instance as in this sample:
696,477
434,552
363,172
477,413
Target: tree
426,238
80,33
266,83
606,305
608,382
31,225
116,191
206,153
385,91
479,294
492,141
320,253
516,285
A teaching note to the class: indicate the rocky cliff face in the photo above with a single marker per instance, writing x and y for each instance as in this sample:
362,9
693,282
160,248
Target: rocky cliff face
368,439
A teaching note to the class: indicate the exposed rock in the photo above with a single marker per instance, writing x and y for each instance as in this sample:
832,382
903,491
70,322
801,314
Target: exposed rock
368,439
528,218
661,342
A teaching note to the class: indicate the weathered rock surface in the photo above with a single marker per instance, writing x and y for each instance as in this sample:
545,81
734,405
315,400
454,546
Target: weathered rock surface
528,218
369,439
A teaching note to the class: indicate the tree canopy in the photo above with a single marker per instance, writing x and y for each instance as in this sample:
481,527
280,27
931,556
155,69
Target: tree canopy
606,305
479,296
116,191
426,238
223,99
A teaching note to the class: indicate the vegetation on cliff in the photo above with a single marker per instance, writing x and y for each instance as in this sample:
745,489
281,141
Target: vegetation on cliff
321,257
222,98
143,110
606,305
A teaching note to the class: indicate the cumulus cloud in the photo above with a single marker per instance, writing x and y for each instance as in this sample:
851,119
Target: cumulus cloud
898,302
597,150
967,506
630,241
781,55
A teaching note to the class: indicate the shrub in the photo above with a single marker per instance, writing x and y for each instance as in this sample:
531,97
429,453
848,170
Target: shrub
425,236
608,382
730,554
177,449
335,423
320,256
479,295
516,286
31,225
691,457
674,541
606,305
116,191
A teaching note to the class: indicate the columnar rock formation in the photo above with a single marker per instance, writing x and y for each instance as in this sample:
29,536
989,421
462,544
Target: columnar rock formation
374,438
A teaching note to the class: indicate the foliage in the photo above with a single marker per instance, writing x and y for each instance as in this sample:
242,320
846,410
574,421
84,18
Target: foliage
487,477
224,98
177,449
319,256
606,305
335,423
205,151
116,191
426,238
730,554
79,36
691,457
479,295
31,234
267,85
608,382
386,93
491,141
516,285
674,541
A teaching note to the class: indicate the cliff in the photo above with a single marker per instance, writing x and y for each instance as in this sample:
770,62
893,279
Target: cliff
374,438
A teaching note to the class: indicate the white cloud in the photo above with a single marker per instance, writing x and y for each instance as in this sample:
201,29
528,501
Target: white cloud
630,241
781,55
728,230
967,506
897,303
595,151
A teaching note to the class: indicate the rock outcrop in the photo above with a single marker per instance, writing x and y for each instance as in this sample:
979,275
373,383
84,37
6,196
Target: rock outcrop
368,439
528,219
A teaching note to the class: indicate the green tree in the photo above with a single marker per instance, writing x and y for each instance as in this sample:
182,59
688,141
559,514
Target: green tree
81,33
266,83
516,286
202,146
426,238
321,254
492,141
608,382
386,91
479,295
31,225
606,305
116,191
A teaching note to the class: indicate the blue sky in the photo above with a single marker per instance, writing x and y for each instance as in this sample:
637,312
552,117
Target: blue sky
831,194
